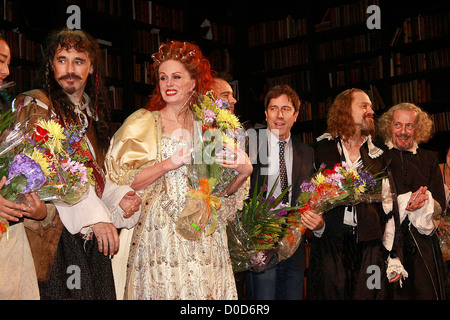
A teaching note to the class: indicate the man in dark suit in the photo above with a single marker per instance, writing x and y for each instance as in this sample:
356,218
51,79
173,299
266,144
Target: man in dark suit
279,155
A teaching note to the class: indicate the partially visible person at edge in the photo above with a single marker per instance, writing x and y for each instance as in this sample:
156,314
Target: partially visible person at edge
5,59
18,279
223,91
444,225
285,281
353,238
420,196
70,90
150,152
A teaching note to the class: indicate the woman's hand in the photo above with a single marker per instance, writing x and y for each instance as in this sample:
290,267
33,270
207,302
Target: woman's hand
130,203
12,211
180,157
107,238
235,158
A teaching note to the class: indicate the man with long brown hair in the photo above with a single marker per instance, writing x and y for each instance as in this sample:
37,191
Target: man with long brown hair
77,239
351,239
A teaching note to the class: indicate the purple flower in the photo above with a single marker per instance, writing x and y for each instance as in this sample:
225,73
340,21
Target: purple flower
308,186
366,178
30,169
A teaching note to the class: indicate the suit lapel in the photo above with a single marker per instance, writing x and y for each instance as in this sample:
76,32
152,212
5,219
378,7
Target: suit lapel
296,166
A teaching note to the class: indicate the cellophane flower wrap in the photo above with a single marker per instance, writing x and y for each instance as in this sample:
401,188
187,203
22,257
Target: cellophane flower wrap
444,239
342,185
254,235
46,158
214,126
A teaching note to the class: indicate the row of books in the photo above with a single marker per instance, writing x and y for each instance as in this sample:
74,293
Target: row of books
415,91
401,64
306,137
441,121
141,101
112,64
146,41
305,112
349,45
24,78
220,60
287,56
299,81
345,15
357,72
9,10
115,95
143,71
110,7
23,48
276,30
422,27
153,13
223,33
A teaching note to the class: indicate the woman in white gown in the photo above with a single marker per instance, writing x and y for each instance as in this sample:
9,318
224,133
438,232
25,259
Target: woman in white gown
149,152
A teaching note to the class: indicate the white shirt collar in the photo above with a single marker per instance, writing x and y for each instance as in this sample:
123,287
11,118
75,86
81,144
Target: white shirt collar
273,139
374,151
413,149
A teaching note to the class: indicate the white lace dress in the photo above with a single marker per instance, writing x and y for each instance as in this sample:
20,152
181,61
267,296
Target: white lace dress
167,266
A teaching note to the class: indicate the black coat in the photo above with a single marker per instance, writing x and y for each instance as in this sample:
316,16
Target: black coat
302,169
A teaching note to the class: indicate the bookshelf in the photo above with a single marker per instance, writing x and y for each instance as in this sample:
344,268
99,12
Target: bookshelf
323,48
320,48
128,31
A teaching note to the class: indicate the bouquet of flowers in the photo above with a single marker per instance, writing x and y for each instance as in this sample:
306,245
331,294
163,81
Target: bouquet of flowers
46,158
254,236
444,239
214,127
329,188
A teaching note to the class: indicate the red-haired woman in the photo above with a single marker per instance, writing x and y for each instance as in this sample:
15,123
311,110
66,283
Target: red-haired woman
149,152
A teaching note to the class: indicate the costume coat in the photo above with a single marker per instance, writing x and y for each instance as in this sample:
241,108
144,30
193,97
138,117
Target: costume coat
341,256
422,255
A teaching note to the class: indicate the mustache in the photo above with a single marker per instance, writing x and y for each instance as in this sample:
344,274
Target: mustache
70,75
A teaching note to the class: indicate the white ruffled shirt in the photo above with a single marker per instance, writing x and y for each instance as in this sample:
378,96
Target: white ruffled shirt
394,264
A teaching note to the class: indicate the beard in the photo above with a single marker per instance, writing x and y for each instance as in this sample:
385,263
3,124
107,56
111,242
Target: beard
402,144
368,126
70,88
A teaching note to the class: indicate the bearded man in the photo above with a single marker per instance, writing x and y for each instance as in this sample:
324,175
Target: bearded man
351,239
72,246
420,197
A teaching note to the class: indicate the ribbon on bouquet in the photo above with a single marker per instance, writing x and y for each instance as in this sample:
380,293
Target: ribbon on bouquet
213,202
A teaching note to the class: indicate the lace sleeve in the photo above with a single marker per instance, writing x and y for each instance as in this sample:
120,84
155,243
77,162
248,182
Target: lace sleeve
234,202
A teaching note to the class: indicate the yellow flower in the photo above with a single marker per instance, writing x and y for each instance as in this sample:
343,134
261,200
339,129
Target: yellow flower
56,134
227,120
38,157
228,140
319,179
55,130
362,188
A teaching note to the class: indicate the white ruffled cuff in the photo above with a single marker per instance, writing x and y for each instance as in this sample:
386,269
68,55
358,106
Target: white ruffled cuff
395,267
421,218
